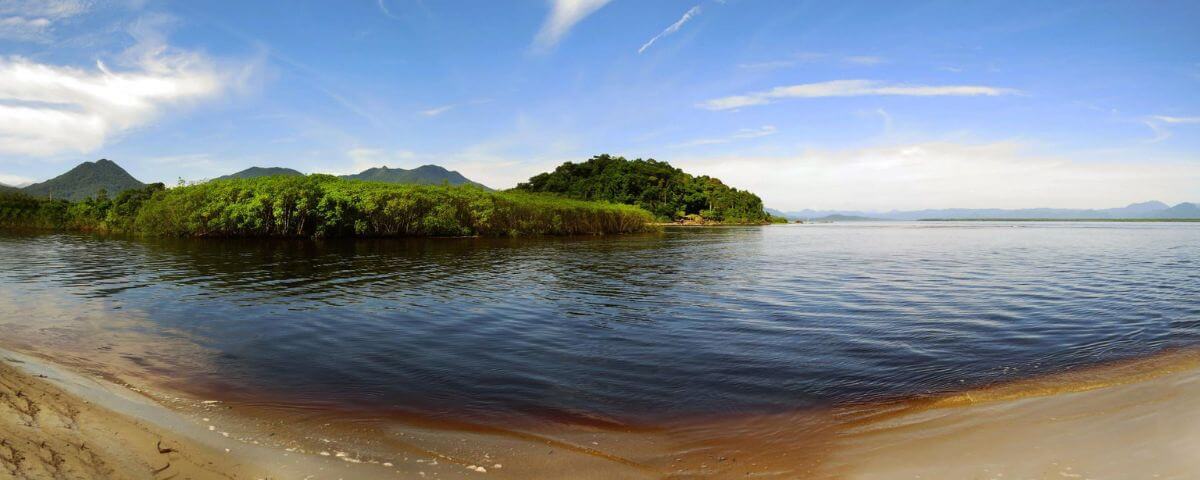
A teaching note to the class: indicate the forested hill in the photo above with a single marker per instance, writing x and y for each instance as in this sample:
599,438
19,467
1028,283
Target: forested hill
665,191
86,180
423,175
256,172
6,188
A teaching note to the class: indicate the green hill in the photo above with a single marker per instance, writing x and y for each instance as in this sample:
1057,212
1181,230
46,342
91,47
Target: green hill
667,192
85,181
423,175
7,189
255,172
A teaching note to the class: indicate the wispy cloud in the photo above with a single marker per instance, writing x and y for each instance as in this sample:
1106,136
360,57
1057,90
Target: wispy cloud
435,111
849,88
674,27
46,109
564,14
1158,124
768,65
810,57
887,120
33,21
743,134
386,12
864,60
1176,120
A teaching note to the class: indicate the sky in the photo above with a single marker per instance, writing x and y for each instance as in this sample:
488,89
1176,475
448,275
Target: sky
821,105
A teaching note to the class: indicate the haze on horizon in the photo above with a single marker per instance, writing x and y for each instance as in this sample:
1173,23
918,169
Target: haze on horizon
811,105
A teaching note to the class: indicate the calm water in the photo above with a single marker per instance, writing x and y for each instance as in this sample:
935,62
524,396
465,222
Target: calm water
624,329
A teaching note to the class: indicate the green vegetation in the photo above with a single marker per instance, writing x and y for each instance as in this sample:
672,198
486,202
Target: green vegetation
84,181
322,206
255,172
665,191
423,175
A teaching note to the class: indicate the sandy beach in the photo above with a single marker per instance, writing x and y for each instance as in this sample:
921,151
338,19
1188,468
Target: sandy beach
56,424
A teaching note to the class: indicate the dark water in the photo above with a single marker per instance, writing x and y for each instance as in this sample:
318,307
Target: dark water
635,328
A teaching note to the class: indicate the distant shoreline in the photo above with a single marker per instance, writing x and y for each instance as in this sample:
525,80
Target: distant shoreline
1140,220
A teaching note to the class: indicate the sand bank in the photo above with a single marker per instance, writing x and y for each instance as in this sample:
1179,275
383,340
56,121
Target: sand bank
1136,419
55,424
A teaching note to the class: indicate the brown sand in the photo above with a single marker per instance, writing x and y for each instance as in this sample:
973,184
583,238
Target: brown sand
55,424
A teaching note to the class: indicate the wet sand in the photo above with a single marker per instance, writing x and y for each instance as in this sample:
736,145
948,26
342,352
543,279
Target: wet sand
1134,419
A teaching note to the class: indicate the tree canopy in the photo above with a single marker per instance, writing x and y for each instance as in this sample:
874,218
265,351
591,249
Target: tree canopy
665,191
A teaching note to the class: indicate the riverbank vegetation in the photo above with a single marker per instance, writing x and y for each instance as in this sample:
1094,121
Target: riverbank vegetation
323,206
669,193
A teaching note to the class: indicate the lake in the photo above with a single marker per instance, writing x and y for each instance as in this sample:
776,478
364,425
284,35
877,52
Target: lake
612,331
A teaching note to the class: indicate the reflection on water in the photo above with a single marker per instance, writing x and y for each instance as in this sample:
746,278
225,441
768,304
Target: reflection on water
616,330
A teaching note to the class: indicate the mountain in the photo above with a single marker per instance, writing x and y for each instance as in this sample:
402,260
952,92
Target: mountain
423,175
845,218
255,172
85,181
1152,209
1183,210
7,189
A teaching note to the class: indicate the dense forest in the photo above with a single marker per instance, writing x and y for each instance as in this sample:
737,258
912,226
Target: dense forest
322,206
665,191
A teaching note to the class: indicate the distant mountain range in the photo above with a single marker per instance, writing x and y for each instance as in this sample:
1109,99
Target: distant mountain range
1153,209
86,180
423,175
89,178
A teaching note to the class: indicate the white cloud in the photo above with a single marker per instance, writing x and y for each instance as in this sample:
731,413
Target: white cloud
947,174
742,134
564,14
47,109
849,88
674,27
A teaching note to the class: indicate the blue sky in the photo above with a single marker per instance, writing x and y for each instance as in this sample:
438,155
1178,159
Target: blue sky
849,105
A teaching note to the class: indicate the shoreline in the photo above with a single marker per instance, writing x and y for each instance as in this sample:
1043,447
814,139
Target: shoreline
122,425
